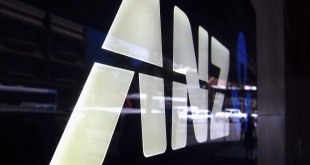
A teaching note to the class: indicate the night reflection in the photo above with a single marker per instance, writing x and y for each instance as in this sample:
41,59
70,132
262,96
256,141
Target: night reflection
165,90
193,113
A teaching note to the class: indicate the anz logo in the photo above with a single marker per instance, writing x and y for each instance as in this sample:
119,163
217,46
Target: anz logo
136,33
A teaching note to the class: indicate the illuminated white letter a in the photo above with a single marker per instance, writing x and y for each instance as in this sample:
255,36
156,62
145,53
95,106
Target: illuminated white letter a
90,128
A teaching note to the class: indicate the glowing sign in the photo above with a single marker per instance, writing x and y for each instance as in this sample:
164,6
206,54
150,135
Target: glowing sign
136,33
90,128
153,119
184,62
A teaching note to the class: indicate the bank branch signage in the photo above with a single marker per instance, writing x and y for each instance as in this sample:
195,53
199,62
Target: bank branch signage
136,33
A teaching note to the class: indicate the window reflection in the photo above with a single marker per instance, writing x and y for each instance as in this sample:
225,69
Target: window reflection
175,93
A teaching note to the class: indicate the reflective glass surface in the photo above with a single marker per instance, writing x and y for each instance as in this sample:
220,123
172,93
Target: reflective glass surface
128,82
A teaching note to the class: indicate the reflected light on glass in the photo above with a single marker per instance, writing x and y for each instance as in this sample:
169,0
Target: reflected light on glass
218,87
247,87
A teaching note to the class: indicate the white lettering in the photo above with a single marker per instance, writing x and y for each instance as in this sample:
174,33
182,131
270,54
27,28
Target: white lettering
179,116
220,58
90,128
136,31
153,119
